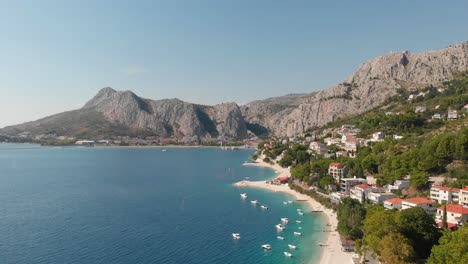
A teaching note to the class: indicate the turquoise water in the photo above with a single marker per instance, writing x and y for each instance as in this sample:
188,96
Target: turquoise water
102,205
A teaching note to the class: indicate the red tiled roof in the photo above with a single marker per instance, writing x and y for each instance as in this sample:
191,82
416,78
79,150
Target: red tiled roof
455,208
363,186
449,225
419,200
336,164
395,201
444,188
465,188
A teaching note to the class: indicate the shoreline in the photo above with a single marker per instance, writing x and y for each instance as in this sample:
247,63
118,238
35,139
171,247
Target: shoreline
331,253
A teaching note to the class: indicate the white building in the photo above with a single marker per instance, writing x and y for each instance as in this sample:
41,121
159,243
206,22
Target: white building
378,136
347,183
463,196
443,194
437,116
360,192
452,115
420,109
456,214
423,202
393,203
378,197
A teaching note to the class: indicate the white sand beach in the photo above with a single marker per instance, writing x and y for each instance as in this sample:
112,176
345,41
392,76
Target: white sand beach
331,252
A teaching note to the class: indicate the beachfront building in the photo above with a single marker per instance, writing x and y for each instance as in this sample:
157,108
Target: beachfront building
360,192
423,202
347,183
337,170
443,194
393,203
463,196
456,214
379,197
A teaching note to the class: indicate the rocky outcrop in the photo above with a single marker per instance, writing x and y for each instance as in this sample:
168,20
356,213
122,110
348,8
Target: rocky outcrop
368,87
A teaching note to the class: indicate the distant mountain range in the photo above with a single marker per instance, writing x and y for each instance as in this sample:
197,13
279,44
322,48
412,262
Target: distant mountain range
113,113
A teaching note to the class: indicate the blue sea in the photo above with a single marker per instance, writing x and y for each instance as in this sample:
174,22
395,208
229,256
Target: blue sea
129,205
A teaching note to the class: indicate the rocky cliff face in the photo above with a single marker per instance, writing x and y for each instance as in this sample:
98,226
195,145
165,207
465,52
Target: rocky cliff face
113,112
365,89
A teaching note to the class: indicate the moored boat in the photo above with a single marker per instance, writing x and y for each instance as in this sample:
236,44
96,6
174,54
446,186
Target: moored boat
279,227
284,220
298,221
266,246
236,235
254,202
280,237
297,233
292,246
287,254
264,207
300,213
243,195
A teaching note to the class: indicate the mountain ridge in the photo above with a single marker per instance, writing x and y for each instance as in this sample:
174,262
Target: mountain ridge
112,112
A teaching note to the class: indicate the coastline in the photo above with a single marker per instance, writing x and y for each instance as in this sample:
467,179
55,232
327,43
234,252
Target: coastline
331,253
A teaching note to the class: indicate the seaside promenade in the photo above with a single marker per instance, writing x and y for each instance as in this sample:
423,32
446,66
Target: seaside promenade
331,249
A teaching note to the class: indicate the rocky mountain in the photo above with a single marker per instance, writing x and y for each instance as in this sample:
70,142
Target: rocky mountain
368,87
113,112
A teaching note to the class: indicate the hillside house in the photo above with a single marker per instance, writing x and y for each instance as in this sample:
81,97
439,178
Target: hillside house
379,197
456,214
347,183
452,115
393,203
360,192
463,196
378,136
337,170
443,194
420,109
423,202
438,116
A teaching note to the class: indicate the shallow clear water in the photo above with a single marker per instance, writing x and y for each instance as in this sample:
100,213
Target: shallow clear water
103,205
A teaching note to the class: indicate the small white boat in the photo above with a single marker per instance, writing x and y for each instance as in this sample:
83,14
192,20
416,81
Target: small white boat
292,246
297,233
285,202
287,254
279,227
266,246
285,220
264,207
236,235
300,227
280,237
243,195
300,213
298,221
254,202
163,150
290,202
299,210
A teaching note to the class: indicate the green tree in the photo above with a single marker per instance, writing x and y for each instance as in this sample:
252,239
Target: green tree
396,249
378,223
419,179
452,248
444,218
351,215
420,229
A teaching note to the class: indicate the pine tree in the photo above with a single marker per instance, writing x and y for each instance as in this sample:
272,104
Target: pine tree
444,218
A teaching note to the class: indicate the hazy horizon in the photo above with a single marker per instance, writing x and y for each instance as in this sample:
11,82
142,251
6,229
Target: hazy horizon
55,57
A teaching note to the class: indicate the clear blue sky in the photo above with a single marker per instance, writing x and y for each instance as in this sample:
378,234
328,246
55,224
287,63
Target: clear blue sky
55,55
